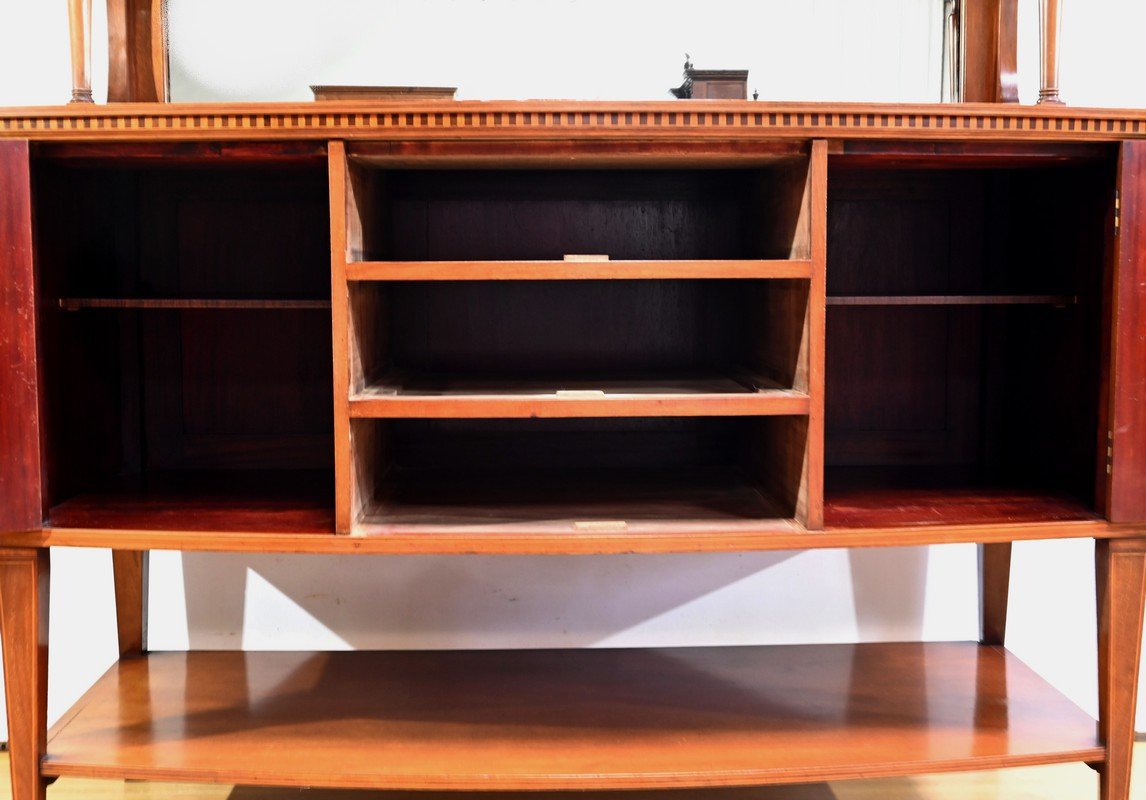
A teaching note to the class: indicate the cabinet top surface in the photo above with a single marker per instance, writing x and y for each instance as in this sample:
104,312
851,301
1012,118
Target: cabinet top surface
701,119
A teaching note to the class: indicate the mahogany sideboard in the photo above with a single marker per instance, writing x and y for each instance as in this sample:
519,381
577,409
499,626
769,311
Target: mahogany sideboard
569,328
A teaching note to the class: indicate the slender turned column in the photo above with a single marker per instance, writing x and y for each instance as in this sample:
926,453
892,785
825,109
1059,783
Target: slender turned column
80,32
24,630
1050,26
1120,572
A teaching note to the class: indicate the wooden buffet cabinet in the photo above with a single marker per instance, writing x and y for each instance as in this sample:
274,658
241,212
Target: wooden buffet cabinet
569,328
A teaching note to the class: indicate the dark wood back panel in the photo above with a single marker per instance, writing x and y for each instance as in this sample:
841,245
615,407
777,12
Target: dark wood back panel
546,214
567,328
976,395
193,389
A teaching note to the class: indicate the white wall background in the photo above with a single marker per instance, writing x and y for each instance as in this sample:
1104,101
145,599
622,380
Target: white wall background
608,49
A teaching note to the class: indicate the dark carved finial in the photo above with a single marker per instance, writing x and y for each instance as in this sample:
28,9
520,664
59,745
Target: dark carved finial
755,94
687,62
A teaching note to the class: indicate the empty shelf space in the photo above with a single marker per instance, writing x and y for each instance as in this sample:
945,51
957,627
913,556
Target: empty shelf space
603,500
187,303
576,269
569,719
575,474
953,300
287,501
399,395
460,217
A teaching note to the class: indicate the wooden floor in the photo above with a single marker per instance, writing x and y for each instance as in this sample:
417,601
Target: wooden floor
1059,782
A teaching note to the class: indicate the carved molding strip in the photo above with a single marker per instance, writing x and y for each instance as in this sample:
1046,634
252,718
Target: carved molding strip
523,120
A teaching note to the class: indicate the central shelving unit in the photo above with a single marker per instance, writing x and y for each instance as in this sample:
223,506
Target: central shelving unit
577,349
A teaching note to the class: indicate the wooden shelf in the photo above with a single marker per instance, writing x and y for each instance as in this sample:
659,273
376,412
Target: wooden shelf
953,300
671,395
177,303
867,507
568,719
557,500
283,502
575,270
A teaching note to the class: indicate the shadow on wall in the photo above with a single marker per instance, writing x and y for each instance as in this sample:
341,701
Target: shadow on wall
332,602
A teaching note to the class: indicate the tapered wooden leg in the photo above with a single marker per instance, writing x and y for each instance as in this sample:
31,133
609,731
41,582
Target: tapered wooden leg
130,570
24,630
994,591
1120,571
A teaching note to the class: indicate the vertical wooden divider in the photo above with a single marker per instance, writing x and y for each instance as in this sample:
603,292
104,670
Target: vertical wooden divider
1124,440
339,313
817,299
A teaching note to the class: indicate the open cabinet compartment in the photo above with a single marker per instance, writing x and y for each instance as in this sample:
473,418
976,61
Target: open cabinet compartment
964,344
571,475
185,345
660,339
407,219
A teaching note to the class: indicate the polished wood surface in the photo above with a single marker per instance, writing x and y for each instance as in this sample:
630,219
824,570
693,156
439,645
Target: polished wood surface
24,576
80,42
1050,31
989,32
994,591
268,502
574,270
1125,433
130,573
810,509
569,719
247,534
862,507
1121,582
1051,782
137,51
20,495
401,396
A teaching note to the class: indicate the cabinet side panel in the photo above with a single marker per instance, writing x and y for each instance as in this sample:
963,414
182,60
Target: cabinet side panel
20,507
1127,413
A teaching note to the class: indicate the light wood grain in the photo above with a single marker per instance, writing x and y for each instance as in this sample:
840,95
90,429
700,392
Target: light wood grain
574,270
340,198
398,396
994,591
130,571
1120,570
24,576
511,720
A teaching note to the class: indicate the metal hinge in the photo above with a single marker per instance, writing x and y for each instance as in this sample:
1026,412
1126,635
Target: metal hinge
1109,452
1117,212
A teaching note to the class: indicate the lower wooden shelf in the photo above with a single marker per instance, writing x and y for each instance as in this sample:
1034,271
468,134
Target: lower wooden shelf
568,719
